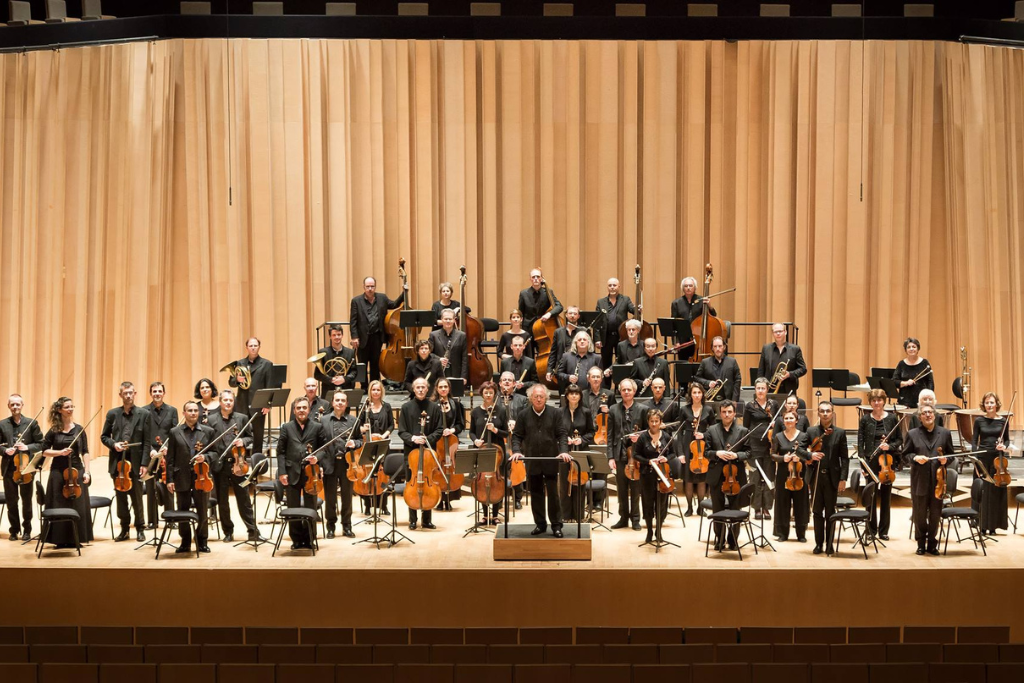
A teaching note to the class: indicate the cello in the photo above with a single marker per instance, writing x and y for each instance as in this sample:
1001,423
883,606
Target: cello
489,487
398,349
543,338
421,493
444,476
480,368
646,330
707,327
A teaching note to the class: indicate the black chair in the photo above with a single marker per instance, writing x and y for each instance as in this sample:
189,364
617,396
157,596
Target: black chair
172,518
58,516
213,515
950,518
271,488
703,510
858,521
98,503
846,401
1020,499
736,516
846,502
303,516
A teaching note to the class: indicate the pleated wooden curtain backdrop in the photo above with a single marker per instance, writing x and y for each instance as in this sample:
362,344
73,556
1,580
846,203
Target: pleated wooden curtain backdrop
163,201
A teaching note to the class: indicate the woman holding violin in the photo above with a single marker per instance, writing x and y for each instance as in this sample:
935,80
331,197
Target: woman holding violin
488,426
579,425
652,450
696,417
992,436
68,449
929,447
789,450
913,374
453,422
728,447
757,417
880,454
377,420
515,330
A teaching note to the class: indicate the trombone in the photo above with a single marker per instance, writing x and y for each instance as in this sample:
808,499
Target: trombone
776,380
241,373
334,367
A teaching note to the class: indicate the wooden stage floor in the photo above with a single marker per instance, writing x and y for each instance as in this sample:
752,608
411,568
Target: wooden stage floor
446,580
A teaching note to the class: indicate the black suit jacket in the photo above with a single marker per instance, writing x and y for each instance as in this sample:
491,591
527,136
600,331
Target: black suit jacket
9,433
259,370
326,385
642,369
218,424
720,440
458,354
291,448
618,428
179,472
517,368
770,359
359,325
728,370
335,453
922,442
139,426
835,461
607,326
535,304
540,436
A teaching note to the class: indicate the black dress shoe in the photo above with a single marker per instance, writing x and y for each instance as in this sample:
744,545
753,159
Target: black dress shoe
13,537
621,524
384,510
204,548
151,526
932,551
295,546
688,513
229,538
347,532
537,531
123,536
636,526
519,505
182,550
801,539
920,551
884,537
829,550
140,536
557,533
412,526
817,550
330,533
429,525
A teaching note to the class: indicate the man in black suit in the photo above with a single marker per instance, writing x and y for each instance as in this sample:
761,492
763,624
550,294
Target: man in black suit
922,445
646,368
541,433
185,441
719,368
521,366
625,420
17,429
616,308
534,304
721,450
779,351
337,424
366,323
126,431
827,471
164,418
335,357
449,344
563,341
224,479
297,440
259,378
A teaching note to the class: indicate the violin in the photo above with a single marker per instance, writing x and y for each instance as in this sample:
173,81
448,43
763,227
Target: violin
1000,473
398,349
445,476
480,368
940,477
543,338
577,477
665,482
22,458
240,468
123,473
601,424
72,487
698,460
314,485
420,492
202,471
706,327
489,487
730,479
632,468
795,480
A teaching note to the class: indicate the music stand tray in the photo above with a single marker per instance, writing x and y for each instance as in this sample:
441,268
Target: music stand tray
621,372
470,462
416,318
685,371
372,456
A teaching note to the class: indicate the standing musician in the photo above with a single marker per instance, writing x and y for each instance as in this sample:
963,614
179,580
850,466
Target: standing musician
650,451
208,397
378,419
449,344
579,426
647,367
780,352
989,437
659,401
336,423
721,438
453,423
185,441
926,398
596,398
496,431
921,444
792,405
515,329
25,432
540,433
873,427
334,354
126,425
689,306
720,369
366,324
630,348
224,479
573,367
616,308
426,366
297,437
789,445
514,403
908,372
564,340
623,431
533,302
258,378
827,472
318,407
522,367
694,410
67,447
412,436
164,418
445,303
757,417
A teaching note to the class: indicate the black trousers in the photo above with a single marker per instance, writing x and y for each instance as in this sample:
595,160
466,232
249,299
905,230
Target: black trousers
369,353
259,425
799,502
225,482
544,489
610,341
332,482
652,499
13,492
135,494
295,496
824,508
925,512
185,500
628,493
157,496
880,511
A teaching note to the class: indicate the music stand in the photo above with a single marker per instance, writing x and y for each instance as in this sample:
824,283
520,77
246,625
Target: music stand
270,398
597,459
416,318
685,372
372,457
759,541
250,483
278,376
889,386
588,318
621,372
457,386
835,379
883,372
468,462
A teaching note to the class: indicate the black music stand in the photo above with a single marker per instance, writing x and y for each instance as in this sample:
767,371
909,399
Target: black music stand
597,460
468,461
834,379
883,372
621,372
372,457
458,387
588,320
759,541
685,372
270,398
416,318
254,474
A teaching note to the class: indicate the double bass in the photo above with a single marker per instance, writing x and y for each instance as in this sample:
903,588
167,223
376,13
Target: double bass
543,338
398,349
480,368
420,492
707,327
646,330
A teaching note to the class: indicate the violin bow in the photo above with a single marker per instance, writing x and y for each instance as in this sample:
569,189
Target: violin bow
1006,424
77,436
775,417
32,421
342,434
240,431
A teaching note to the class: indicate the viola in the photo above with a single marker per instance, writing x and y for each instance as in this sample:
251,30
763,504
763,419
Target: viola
1000,474
940,477
202,471
730,479
445,476
314,485
398,349
698,460
420,492
795,480
488,487
480,368
632,468
577,477
21,461
543,339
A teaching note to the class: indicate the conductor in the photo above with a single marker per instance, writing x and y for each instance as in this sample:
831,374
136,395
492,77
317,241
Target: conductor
541,433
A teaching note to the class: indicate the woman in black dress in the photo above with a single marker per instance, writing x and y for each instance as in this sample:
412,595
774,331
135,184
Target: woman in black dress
651,450
515,330
377,420
488,426
988,429
909,370
694,410
446,302
63,431
757,416
873,427
792,405
209,399
790,445
579,424
453,417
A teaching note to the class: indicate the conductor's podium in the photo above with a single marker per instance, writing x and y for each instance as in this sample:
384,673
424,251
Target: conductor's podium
518,544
